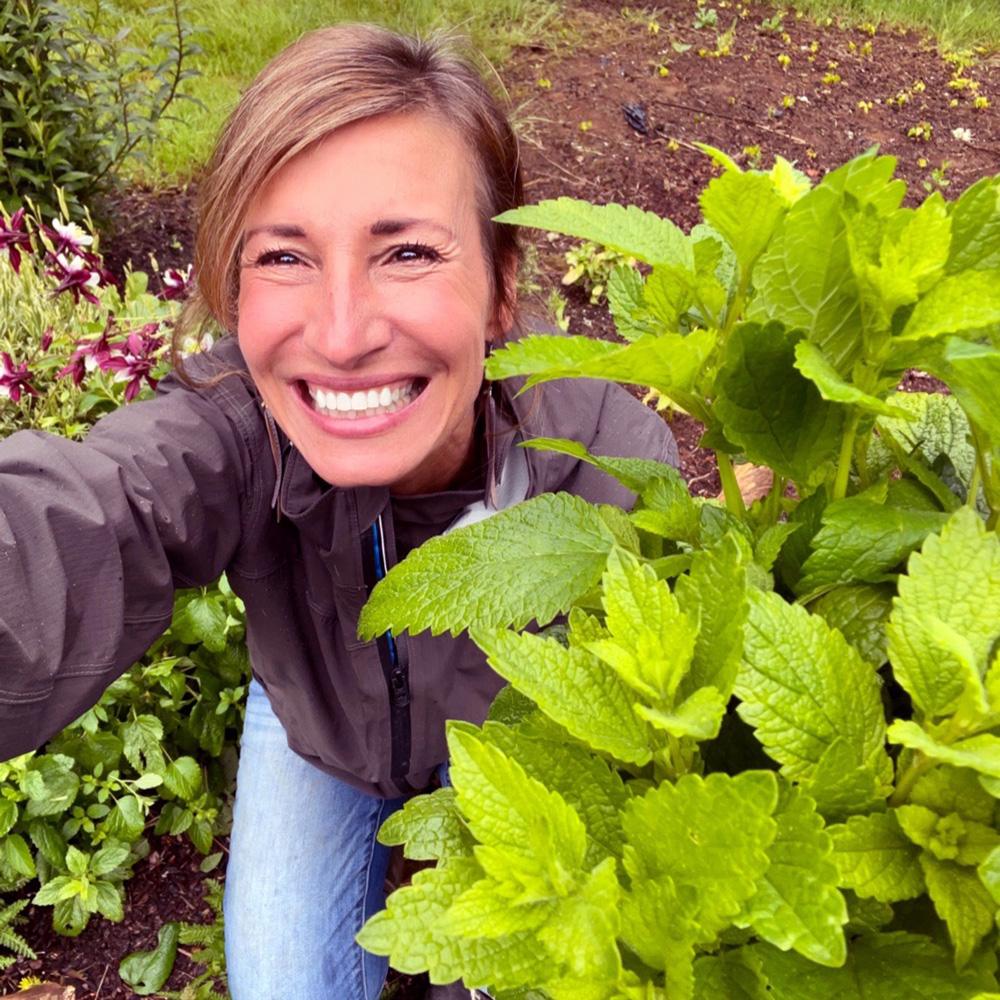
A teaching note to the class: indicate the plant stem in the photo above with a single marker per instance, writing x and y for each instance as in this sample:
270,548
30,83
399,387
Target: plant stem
844,462
918,766
734,499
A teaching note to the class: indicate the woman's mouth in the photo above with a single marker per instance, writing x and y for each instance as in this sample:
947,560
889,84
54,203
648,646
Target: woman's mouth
376,401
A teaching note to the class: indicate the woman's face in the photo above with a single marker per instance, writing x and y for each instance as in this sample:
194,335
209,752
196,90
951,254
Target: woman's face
365,303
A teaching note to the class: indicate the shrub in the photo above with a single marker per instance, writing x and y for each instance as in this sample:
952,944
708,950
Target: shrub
75,101
760,758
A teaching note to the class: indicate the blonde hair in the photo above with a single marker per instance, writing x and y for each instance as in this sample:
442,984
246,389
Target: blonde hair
328,79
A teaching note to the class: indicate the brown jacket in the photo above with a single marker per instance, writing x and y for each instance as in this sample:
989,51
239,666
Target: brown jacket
95,537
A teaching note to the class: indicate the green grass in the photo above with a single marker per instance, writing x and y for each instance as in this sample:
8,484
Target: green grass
957,25
240,36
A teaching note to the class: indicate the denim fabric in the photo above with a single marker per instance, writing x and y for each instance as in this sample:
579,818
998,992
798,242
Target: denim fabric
305,872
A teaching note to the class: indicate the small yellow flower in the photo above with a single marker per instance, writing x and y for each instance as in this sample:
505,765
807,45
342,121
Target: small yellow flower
544,83
586,126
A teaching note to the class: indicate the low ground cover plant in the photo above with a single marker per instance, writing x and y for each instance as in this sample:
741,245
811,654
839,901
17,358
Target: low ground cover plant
758,756
157,753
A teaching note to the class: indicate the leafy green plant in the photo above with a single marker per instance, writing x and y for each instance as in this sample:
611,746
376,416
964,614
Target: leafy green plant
591,265
760,756
9,938
78,102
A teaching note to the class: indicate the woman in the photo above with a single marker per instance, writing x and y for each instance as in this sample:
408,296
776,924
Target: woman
346,238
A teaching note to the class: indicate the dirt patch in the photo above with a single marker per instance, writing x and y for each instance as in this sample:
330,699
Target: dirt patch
841,92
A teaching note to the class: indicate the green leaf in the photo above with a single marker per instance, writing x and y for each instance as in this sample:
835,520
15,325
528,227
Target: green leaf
56,890
182,777
51,785
573,687
745,209
630,230
674,838
142,737
803,687
797,903
966,302
670,362
699,716
635,474
863,541
17,854
70,916
949,837
410,930
49,841
842,786
810,361
876,859
109,858
884,966
529,561
714,594
962,902
202,619
730,975
981,753
770,410
973,375
667,508
8,816
147,971
975,228
948,790
952,587
109,902
126,820
626,300
430,827
860,612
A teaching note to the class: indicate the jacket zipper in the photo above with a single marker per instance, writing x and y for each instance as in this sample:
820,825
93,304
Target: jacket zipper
395,668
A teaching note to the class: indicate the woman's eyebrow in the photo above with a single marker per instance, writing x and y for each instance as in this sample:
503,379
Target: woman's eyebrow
278,229
393,227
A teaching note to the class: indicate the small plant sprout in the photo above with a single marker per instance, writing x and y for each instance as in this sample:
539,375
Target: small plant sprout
980,102
774,23
918,87
937,180
653,26
865,106
784,61
963,83
921,132
830,79
544,82
706,17
869,29
866,49
586,126
754,157
788,101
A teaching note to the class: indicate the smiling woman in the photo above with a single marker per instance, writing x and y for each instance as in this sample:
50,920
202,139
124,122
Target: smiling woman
348,247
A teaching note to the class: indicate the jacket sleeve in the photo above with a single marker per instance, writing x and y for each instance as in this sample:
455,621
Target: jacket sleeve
95,536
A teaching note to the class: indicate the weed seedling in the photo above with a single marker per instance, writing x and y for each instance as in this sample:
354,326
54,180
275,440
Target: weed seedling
921,132
706,17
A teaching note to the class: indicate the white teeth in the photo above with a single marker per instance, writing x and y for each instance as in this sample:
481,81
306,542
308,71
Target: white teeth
364,403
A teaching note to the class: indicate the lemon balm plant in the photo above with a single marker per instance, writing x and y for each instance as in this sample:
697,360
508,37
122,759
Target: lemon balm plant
760,755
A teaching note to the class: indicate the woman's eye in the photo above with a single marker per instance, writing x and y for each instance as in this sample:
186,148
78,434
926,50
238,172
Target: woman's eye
415,253
277,257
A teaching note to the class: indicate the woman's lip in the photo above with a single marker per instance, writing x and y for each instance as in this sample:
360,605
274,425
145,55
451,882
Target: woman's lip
361,384
360,426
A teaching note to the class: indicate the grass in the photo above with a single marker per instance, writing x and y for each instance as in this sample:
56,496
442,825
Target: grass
240,36
958,25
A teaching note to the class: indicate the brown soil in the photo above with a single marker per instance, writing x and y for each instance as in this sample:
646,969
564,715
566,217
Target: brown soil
578,142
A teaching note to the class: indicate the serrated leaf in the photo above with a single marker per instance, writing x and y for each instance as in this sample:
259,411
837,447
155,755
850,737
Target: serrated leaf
730,975
50,842
572,686
714,594
635,474
142,737
803,687
17,854
770,410
949,837
126,820
594,789
183,778
797,903
626,300
862,541
876,859
860,612
973,375
962,902
966,302
674,838
745,209
50,784
202,619
975,228
629,230
667,508
529,561
843,787
8,816
953,790
410,931
980,753
884,966
698,716
947,614
669,363
109,858
430,827
810,361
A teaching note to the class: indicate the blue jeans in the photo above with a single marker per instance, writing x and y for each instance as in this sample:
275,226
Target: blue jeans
305,872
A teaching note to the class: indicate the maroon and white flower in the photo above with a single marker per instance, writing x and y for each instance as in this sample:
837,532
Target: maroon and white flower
76,275
136,360
176,283
91,354
14,237
68,237
15,379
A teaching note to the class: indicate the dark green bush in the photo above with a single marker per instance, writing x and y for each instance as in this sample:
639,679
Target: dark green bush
76,100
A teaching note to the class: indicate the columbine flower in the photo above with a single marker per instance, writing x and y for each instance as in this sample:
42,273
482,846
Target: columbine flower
68,237
13,236
15,379
136,360
176,283
76,276
90,355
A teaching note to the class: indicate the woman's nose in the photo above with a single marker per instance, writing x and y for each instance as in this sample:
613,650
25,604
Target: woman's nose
346,326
